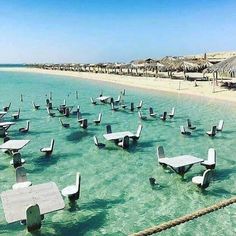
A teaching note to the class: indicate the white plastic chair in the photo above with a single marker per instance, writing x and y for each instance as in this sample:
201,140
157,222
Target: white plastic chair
73,191
203,181
210,163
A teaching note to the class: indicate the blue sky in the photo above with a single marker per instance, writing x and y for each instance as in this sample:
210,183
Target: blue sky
113,30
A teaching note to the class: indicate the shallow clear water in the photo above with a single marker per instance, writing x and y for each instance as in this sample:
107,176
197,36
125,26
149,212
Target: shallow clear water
116,197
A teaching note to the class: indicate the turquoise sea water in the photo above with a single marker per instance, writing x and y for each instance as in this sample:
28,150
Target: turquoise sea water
116,197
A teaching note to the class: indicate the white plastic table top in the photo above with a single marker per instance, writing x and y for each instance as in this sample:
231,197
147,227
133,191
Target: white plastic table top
117,135
15,202
8,123
103,98
14,144
180,161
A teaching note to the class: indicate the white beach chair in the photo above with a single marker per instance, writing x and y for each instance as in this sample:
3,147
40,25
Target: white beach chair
33,218
50,113
93,101
84,124
132,106
98,121
220,126
117,101
210,163
140,105
113,108
6,108
25,129
73,191
142,117
160,154
172,113
124,143
48,150
21,179
151,112
65,125
163,117
203,181
36,107
99,145
17,160
3,132
189,124
183,131
212,132
16,115
108,129
138,132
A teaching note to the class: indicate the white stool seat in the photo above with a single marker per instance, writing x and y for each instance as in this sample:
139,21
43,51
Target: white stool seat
21,185
208,163
69,190
48,149
197,179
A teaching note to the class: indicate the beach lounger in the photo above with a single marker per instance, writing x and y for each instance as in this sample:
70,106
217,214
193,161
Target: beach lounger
163,117
16,115
17,160
140,105
183,131
65,125
142,117
21,179
25,129
36,107
172,113
151,112
108,129
220,126
210,163
73,191
48,150
6,108
189,124
99,145
98,121
212,133
92,101
124,143
203,181
138,132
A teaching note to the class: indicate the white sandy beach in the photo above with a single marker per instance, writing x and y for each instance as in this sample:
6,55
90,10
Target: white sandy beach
203,89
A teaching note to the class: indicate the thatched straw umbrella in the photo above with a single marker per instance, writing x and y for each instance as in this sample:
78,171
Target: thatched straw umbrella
227,66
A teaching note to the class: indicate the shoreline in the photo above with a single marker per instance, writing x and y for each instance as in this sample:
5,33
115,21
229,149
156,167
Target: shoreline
204,89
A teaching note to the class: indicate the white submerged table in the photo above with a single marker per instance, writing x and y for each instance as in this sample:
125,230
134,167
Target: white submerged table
118,135
180,164
7,124
103,98
14,145
15,202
